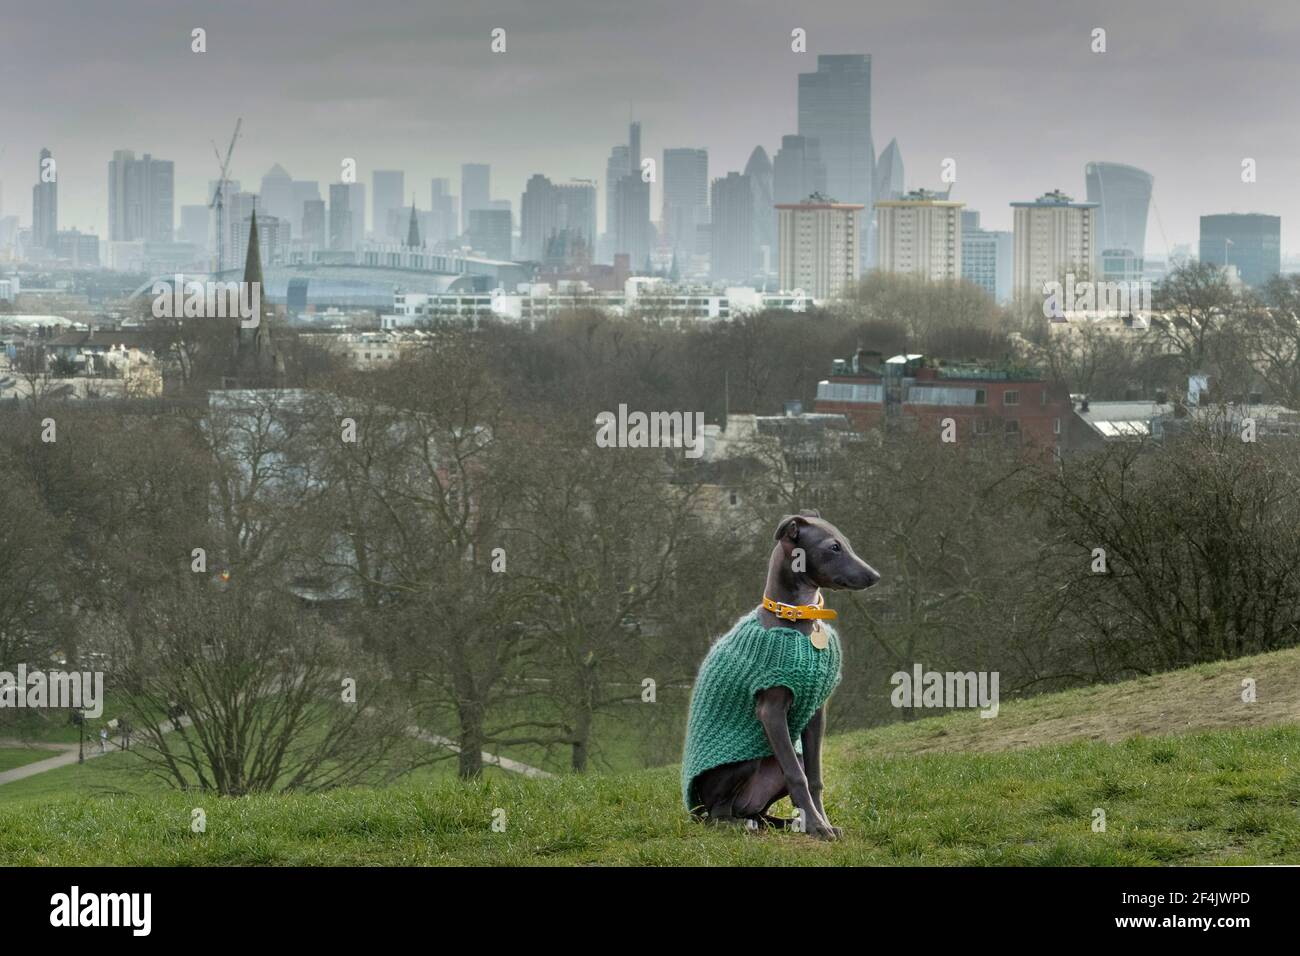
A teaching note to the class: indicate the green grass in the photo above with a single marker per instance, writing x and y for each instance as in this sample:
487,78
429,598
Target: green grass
1211,798
1185,771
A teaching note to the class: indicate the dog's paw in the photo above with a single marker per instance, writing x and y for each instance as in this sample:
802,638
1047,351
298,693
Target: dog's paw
826,832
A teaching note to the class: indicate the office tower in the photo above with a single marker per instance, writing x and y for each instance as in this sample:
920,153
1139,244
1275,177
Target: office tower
818,240
489,233
889,173
986,257
389,194
759,173
616,168
548,210
240,206
632,232
475,190
314,230
444,215
732,233
303,190
797,170
276,197
686,197
1250,241
1123,196
141,200
920,235
835,109
195,224
1054,237
272,235
341,230
537,217
45,205
357,207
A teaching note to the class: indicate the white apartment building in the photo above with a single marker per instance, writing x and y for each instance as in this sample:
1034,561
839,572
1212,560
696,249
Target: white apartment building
818,241
1053,236
920,235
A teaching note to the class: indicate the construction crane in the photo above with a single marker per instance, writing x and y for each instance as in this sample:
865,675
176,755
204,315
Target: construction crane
219,195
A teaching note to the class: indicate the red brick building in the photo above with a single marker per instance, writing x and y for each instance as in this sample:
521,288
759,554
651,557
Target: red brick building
1011,403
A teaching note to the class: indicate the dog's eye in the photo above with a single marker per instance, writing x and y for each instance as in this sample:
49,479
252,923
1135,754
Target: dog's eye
835,545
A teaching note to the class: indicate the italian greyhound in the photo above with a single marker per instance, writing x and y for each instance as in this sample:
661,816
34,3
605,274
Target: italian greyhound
810,554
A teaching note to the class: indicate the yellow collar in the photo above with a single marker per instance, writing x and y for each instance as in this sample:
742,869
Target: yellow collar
800,612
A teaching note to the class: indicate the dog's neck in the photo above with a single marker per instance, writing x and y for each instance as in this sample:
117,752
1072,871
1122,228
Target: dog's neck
787,587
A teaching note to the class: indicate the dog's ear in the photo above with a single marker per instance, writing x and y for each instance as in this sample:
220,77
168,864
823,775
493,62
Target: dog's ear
789,528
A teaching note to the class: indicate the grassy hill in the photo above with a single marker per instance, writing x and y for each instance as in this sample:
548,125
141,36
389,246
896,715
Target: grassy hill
1183,769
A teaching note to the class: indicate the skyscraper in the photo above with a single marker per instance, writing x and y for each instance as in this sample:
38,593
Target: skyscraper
632,205
357,207
686,197
314,230
889,173
45,205
389,195
239,209
920,235
444,216
475,190
797,170
489,233
141,200
277,200
272,234
340,227
986,257
1054,237
835,109
1123,196
818,241
616,167
759,173
548,210
1250,241
304,190
732,234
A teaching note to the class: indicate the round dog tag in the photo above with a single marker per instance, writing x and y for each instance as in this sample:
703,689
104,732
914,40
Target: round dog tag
818,636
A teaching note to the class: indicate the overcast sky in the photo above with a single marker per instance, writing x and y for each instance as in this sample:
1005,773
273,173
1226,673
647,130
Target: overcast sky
1009,88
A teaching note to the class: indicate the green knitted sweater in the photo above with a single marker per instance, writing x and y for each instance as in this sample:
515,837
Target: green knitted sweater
722,727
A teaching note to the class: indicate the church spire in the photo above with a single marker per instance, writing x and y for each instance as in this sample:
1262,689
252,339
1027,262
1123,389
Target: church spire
256,361
413,231
253,262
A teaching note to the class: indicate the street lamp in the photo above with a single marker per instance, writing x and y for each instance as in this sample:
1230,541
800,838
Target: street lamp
79,718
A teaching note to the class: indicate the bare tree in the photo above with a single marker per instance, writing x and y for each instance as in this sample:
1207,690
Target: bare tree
233,691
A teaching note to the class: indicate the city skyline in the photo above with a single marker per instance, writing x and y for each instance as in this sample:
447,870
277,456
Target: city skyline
365,94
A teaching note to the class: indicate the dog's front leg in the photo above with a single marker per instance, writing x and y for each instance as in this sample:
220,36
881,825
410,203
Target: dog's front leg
772,706
812,762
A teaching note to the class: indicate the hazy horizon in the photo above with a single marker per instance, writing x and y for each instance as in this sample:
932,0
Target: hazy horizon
1015,95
